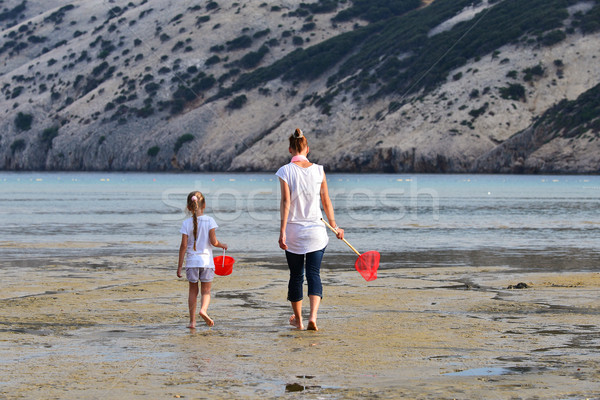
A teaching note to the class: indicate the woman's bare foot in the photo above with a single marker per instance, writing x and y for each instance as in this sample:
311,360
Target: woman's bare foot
207,319
192,325
294,322
312,326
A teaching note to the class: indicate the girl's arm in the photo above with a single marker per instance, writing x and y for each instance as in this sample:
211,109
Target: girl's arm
284,211
182,250
328,208
212,236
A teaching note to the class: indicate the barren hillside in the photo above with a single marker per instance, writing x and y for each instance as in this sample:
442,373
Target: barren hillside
204,85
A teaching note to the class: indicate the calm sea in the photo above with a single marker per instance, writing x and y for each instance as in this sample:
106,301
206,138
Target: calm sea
529,222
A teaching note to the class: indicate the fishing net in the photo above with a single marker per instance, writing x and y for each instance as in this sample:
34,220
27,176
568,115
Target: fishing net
367,265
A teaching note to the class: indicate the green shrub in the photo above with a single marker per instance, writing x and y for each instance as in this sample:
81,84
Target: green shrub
99,68
153,151
242,42
17,145
23,121
297,41
537,70
48,136
212,60
476,112
17,92
181,140
179,45
205,83
202,19
514,91
253,58
309,26
152,88
262,33
237,102
553,37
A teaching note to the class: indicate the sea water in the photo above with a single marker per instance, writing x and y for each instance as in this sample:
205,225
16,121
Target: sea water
413,220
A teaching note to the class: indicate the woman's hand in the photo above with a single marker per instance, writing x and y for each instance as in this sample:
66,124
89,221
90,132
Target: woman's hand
223,245
282,244
339,233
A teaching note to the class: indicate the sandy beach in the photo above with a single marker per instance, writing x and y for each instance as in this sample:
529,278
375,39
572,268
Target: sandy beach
114,327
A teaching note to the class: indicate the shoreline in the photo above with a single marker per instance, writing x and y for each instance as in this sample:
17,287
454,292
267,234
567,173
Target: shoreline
117,329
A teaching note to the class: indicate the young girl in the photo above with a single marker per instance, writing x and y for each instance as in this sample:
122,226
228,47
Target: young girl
197,236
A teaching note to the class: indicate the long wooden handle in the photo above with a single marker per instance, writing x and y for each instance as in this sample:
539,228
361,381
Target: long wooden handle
345,241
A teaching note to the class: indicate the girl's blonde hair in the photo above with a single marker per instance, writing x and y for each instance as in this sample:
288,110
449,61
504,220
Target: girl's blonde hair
195,202
298,141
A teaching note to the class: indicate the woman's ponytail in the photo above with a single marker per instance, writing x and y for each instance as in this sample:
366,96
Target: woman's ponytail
298,141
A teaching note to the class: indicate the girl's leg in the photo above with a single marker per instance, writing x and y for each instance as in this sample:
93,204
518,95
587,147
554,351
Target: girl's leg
296,266
192,301
315,287
205,301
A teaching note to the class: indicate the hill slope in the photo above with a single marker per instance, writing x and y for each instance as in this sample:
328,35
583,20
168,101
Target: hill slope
376,86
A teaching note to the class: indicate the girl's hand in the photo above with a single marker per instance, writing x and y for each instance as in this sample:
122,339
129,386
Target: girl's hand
339,233
179,272
282,244
224,246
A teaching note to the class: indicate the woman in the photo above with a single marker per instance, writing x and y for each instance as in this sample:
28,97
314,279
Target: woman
302,233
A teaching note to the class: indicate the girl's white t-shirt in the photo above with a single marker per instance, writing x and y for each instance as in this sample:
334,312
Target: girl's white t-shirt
305,232
202,257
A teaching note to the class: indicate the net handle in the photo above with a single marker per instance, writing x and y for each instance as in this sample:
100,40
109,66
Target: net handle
345,241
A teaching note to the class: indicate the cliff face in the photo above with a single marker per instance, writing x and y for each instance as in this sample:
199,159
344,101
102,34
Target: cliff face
217,86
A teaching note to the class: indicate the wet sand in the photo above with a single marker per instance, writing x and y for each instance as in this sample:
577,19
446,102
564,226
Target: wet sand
114,327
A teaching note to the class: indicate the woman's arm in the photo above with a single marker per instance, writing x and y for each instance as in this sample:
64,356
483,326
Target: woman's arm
212,236
284,211
328,208
182,250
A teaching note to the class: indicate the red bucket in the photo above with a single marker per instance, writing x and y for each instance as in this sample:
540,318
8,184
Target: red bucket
223,265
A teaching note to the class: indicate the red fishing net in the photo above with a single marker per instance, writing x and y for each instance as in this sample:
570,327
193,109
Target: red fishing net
367,265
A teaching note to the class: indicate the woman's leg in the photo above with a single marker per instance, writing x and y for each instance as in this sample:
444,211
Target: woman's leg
315,287
192,301
205,301
296,266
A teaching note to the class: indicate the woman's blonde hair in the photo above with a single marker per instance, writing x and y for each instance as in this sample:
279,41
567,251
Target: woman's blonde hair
195,202
298,141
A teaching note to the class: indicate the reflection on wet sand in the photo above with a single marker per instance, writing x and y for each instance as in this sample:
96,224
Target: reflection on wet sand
115,327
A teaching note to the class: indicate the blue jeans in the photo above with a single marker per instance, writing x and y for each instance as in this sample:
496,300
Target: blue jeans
313,274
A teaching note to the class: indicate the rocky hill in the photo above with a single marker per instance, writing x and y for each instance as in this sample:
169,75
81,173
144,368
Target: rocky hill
390,86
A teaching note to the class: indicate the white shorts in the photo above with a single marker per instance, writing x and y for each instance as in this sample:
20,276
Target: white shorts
200,274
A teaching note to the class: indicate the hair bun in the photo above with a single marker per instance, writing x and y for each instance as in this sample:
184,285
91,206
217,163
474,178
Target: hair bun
298,133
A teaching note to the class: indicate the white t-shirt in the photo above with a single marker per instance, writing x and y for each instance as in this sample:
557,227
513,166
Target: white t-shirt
305,232
203,256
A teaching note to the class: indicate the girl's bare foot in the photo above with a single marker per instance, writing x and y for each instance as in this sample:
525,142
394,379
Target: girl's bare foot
312,326
294,322
192,325
207,319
